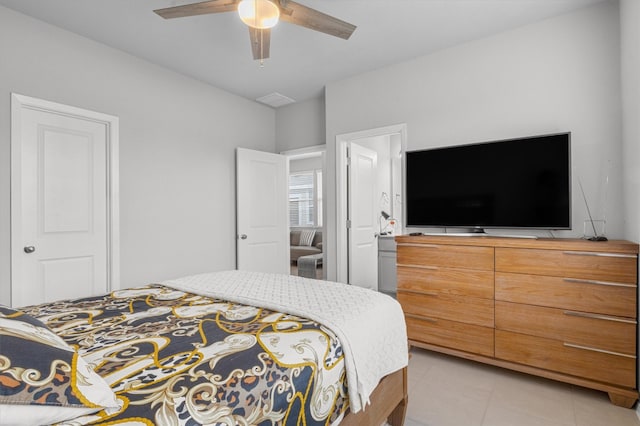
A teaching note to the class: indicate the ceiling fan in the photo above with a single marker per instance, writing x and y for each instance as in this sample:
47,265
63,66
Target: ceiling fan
261,15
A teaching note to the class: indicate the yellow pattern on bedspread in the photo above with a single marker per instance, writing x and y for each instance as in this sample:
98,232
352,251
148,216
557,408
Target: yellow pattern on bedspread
177,358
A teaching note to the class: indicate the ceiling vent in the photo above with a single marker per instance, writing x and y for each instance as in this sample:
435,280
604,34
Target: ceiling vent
275,100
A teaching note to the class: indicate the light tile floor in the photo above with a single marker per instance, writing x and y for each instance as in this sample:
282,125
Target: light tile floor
448,391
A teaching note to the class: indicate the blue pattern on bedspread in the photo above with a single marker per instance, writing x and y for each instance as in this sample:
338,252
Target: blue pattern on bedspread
176,358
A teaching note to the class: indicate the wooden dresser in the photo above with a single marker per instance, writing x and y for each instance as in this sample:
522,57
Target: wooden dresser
565,309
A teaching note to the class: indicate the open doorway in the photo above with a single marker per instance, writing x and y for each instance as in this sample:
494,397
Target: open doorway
306,211
385,205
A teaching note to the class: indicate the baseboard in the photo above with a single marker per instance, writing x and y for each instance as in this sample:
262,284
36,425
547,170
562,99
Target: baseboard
638,410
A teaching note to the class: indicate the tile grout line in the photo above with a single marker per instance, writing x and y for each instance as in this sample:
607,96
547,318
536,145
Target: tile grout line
573,404
486,408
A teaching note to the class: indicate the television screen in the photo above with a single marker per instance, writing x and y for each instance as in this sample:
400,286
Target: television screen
516,183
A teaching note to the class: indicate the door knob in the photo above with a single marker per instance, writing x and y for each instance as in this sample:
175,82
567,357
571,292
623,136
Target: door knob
29,249
243,236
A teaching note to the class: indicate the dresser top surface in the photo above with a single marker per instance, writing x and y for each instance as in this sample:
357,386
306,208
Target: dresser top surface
614,246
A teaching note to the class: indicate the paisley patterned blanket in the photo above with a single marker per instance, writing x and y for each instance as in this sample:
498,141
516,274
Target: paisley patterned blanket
178,358
361,319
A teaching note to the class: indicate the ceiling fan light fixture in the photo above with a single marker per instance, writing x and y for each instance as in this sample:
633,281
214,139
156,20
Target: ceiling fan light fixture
260,14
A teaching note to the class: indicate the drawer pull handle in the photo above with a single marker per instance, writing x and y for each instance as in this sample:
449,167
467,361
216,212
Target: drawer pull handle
423,293
418,317
419,245
430,268
597,254
587,348
596,316
612,284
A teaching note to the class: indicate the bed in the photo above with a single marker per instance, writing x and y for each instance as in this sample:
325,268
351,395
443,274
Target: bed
223,348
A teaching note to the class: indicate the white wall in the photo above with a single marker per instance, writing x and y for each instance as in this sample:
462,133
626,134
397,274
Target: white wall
630,61
300,125
177,146
305,164
630,68
561,74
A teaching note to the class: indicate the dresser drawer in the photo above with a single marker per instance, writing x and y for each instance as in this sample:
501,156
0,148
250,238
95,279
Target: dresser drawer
448,256
468,310
458,282
451,334
607,333
558,356
568,293
608,267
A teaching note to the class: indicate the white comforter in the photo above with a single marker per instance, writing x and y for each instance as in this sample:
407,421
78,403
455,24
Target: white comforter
370,325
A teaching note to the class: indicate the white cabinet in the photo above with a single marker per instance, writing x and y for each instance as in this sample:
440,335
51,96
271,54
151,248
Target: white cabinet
387,277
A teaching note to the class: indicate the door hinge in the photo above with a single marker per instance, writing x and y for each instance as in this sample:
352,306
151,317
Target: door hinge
348,224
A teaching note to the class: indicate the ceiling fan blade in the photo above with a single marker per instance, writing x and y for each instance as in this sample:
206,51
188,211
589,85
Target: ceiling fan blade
295,13
260,40
202,8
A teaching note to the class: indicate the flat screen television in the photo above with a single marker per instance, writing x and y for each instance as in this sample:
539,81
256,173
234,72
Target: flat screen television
512,184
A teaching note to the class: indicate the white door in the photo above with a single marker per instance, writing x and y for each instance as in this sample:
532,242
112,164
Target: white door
262,211
363,232
61,217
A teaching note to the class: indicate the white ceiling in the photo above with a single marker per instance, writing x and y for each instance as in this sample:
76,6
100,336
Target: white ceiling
215,48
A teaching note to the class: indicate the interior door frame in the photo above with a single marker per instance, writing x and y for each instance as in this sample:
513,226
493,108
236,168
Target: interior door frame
22,102
312,151
342,143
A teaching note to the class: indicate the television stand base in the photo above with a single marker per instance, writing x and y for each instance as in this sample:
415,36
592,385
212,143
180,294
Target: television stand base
477,234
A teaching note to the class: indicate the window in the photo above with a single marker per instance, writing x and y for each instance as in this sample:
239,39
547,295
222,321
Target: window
305,198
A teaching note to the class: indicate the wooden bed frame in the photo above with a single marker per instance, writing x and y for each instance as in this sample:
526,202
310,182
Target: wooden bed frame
388,403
